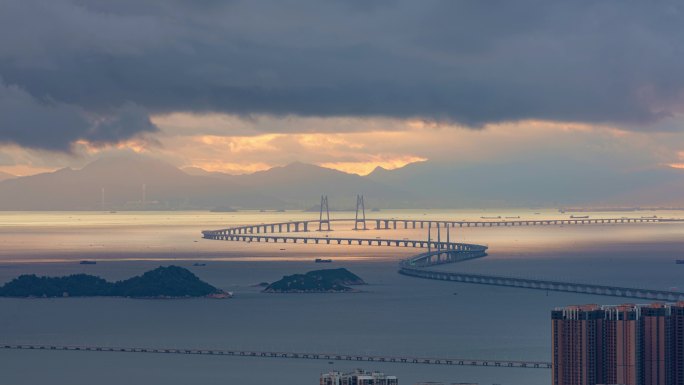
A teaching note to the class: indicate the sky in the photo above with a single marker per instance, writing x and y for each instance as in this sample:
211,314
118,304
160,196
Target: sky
241,86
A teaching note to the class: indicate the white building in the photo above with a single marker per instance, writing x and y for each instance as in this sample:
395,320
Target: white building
358,377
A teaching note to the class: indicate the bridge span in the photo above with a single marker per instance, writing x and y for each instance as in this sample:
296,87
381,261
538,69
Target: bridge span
395,224
495,363
444,251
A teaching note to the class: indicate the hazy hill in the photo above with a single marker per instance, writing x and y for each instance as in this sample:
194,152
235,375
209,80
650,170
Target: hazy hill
532,183
122,179
4,175
302,184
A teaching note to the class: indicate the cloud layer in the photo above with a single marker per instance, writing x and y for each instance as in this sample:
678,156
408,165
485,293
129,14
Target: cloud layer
69,65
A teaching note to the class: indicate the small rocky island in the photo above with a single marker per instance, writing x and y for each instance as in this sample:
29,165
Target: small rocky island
162,282
318,281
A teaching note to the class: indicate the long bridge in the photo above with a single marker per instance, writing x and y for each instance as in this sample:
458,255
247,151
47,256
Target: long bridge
445,251
395,224
291,355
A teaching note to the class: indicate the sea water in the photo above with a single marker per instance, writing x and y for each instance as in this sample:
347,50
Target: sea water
393,315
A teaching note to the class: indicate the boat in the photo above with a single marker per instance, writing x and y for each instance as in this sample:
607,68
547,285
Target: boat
87,263
516,217
651,217
499,217
680,261
321,260
199,264
579,216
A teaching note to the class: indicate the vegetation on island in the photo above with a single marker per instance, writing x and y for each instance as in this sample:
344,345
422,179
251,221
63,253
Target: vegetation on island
162,282
317,281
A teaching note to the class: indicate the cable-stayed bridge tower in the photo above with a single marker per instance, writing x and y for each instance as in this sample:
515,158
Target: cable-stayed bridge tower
360,209
326,209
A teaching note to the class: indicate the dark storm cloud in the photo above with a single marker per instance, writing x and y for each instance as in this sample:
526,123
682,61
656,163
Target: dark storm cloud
472,62
52,125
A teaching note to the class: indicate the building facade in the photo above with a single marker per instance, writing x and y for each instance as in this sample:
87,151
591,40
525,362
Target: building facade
627,344
358,377
577,344
622,350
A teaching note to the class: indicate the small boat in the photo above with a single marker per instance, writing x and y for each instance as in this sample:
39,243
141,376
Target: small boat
680,261
199,264
579,216
516,217
499,217
321,260
87,263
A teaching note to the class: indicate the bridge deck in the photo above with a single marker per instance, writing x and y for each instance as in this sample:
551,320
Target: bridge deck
292,355
394,223
450,252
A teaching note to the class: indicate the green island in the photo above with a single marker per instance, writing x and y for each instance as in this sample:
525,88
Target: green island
317,281
162,282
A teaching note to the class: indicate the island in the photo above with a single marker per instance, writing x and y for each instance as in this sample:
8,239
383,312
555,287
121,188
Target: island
162,282
317,281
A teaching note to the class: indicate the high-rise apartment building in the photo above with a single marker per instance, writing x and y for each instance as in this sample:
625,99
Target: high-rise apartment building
657,344
577,345
622,350
677,347
626,344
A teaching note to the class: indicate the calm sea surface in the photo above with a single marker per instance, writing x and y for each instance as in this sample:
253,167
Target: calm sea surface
393,315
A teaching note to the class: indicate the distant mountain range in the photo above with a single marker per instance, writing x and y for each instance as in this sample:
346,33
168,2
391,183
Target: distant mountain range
135,182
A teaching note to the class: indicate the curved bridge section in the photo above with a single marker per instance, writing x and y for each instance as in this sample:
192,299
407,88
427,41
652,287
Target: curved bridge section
443,252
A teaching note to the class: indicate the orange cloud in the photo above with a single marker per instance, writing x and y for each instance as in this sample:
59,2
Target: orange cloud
230,167
365,168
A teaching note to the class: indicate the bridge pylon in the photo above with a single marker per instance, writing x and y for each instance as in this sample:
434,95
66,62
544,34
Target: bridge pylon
360,206
326,209
439,236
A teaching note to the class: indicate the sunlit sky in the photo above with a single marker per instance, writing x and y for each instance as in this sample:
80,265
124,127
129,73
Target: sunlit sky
235,145
238,87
